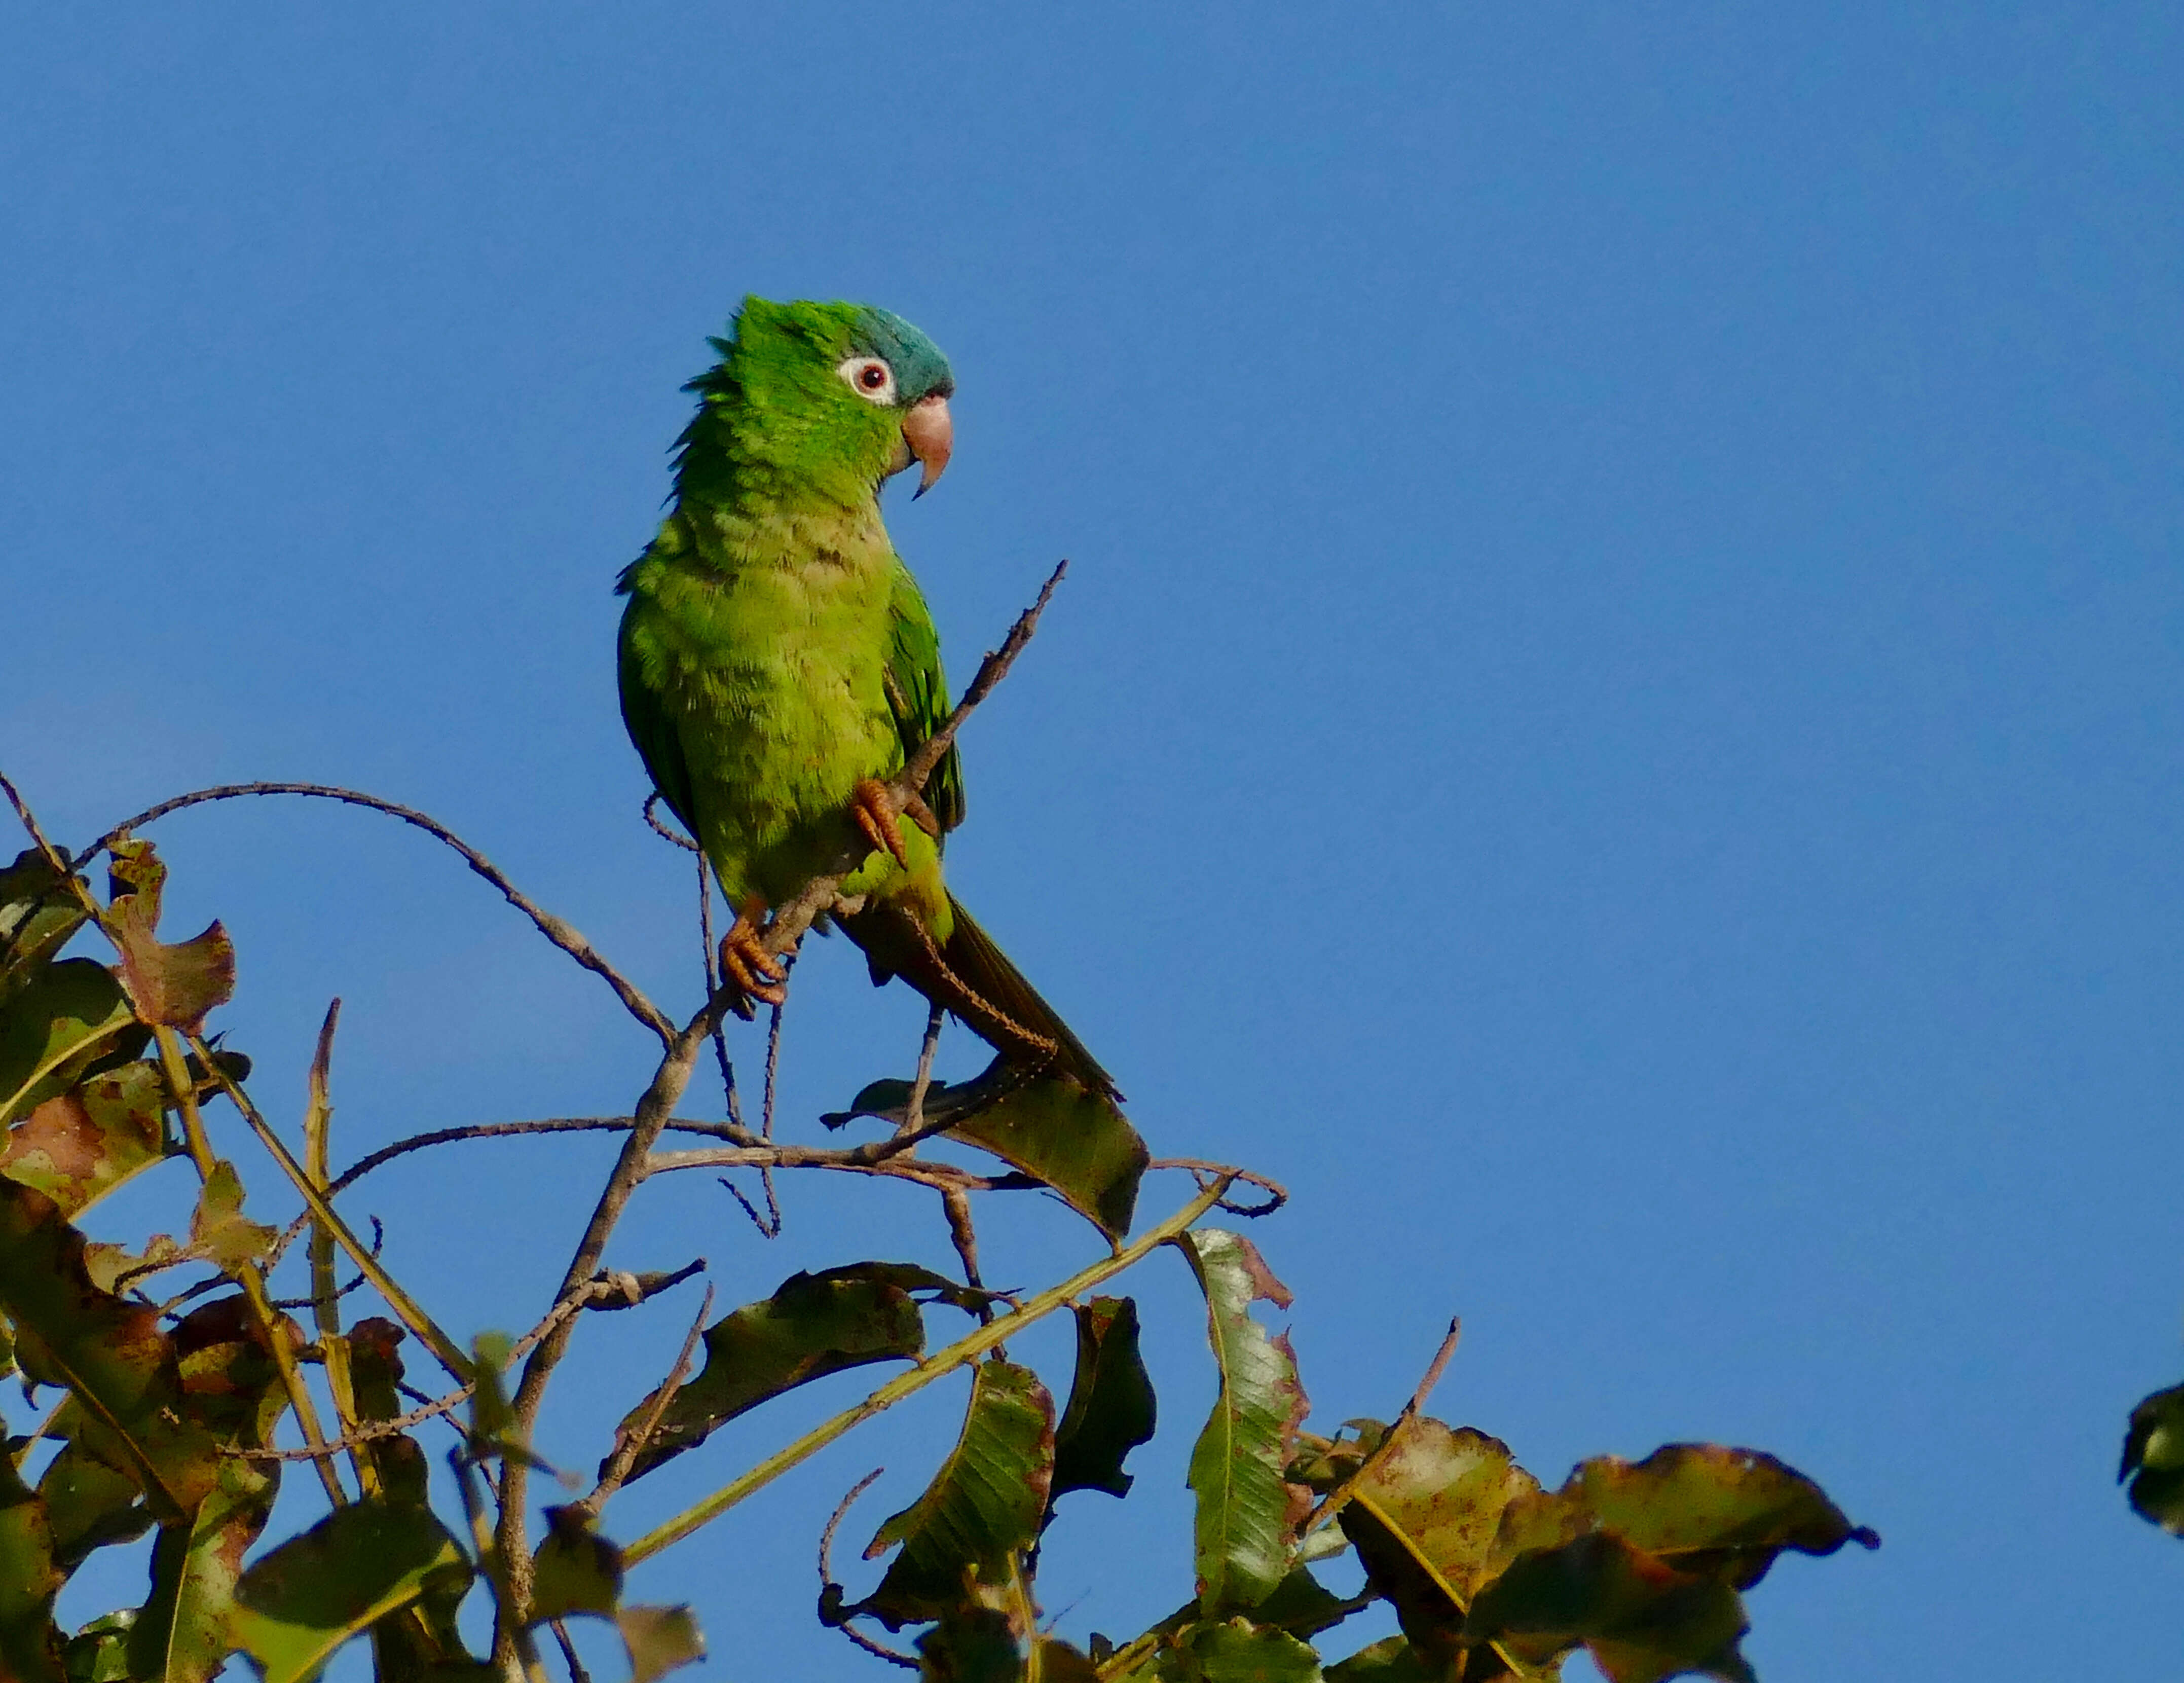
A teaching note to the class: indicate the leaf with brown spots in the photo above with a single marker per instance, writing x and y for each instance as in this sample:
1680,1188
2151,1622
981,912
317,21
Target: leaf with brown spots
1424,1519
171,984
110,1353
1247,1513
78,1146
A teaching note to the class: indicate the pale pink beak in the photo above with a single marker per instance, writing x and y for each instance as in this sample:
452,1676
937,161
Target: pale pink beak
931,436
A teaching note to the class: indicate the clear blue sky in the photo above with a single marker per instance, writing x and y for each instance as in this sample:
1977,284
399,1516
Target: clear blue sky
1614,721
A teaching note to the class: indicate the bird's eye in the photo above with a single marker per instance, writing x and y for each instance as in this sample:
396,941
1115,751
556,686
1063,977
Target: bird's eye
870,378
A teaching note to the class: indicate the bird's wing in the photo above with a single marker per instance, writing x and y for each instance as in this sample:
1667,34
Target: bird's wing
917,693
650,728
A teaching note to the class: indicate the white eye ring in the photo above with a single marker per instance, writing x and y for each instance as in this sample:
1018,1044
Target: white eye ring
870,378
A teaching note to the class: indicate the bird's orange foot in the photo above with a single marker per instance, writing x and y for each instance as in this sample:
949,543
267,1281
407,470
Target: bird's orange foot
745,961
873,809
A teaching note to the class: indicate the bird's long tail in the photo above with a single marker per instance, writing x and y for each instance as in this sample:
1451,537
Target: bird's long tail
972,977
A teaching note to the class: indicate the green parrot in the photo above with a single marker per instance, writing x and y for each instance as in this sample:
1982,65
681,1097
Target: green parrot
777,661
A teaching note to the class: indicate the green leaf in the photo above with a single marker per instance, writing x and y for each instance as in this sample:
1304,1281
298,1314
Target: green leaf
99,1652
659,1640
78,1145
110,1353
813,1325
1112,1407
971,1645
174,984
1640,1619
575,1569
983,1506
312,1594
54,1028
90,1503
38,913
1238,1651
2154,1452
30,1642
1247,1513
1390,1660
220,1232
1048,1127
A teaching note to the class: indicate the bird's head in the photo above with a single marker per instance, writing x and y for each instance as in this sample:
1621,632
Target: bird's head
837,396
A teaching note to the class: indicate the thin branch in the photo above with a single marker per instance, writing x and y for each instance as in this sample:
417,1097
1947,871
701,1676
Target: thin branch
654,1110
822,893
1332,1502
445,1351
830,1592
913,1115
599,1293
489,1130
577,1672
991,671
1277,1193
553,928
957,1204
53,855
652,818
312,1298
633,1444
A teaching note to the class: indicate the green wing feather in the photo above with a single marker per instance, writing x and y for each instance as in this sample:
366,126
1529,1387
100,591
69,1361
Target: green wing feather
654,733
917,693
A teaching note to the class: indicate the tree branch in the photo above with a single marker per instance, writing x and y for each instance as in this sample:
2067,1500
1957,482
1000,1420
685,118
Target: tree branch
553,928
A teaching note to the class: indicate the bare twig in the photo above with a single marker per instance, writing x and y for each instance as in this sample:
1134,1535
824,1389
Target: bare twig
830,1592
490,1130
1204,1172
1332,1502
913,1115
577,1672
652,818
600,1293
553,928
822,893
956,1203
54,857
767,1229
654,1110
633,1444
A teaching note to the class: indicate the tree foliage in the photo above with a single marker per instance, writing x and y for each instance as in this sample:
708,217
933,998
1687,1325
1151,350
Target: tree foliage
178,1393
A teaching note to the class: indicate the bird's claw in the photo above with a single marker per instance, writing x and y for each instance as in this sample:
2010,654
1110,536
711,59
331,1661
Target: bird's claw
745,961
873,809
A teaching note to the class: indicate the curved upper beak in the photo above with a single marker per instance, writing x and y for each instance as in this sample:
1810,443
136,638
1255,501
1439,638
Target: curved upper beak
931,435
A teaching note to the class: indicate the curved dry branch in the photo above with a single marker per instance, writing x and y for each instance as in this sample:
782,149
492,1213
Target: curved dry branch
554,929
1207,1172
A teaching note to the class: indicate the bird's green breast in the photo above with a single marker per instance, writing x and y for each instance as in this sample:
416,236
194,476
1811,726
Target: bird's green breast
760,645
